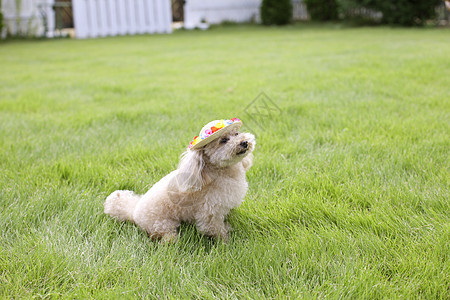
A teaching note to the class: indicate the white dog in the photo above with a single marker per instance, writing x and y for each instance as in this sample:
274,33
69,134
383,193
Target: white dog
209,182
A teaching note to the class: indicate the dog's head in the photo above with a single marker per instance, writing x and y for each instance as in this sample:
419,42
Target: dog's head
225,151
228,149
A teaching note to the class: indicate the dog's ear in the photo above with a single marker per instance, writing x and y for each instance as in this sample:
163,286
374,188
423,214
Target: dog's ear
190,171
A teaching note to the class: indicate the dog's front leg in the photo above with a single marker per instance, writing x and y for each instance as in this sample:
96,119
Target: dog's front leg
247,162
212,225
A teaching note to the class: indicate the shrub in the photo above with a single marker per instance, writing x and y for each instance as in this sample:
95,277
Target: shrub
406,12
276,12
322,10
399,12
1,20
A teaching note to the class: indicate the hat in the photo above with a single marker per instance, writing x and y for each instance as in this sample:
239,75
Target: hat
213,130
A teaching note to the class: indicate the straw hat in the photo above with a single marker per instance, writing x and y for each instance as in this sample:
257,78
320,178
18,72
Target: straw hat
213,130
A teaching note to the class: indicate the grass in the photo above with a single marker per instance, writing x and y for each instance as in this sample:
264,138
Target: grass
348,194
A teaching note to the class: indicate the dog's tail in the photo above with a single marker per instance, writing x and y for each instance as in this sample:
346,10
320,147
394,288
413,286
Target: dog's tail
120,205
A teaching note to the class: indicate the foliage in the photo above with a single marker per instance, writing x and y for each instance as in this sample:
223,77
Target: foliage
404,12
276,12
1,18
348,194
1,22
400,12
322,10
346,8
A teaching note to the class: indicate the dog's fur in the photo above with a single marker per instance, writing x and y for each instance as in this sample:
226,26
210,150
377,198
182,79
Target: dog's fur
208,183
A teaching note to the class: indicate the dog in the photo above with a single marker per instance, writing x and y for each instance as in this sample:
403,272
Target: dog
210,181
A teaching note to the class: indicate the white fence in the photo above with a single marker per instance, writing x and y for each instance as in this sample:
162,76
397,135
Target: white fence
97,18
299,10
215,12
92,18
26,17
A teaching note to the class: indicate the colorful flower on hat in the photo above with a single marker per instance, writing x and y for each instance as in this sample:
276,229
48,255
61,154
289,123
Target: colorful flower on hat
219,125
205,134
194,141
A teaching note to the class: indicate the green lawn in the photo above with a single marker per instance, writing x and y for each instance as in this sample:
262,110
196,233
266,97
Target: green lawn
348,195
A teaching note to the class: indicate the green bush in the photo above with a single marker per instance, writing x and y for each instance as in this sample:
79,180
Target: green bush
405,12
276,12
399,12
1,20
346,8
322,10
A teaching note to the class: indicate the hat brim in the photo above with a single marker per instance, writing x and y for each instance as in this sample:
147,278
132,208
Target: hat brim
215,135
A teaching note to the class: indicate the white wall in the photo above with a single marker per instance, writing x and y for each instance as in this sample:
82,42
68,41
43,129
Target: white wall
24,17
97,18
216,12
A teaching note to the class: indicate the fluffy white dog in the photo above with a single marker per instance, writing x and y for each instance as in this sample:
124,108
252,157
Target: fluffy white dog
209,182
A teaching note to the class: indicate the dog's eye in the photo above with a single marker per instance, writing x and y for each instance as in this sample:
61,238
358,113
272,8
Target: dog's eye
236,133
224,140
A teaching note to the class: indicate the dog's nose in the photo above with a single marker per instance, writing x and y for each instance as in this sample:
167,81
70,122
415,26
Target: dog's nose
244,144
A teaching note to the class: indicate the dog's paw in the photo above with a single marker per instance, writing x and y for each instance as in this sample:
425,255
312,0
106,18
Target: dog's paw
169,238
228,227
224,237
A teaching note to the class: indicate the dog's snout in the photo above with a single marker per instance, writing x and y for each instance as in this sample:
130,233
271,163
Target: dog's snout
244,144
